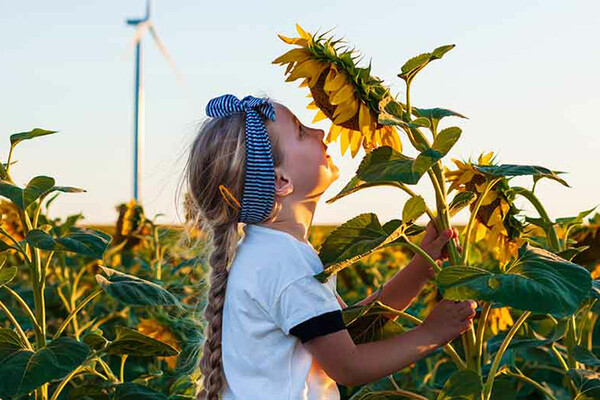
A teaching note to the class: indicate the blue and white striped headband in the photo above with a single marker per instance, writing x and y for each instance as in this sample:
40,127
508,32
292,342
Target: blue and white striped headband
259,184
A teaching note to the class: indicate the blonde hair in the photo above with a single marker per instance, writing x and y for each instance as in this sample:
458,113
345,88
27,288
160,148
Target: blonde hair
217,156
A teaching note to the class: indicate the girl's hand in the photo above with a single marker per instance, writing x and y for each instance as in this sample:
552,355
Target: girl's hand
434,244
448,319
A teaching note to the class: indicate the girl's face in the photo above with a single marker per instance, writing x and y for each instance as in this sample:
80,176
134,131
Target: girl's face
306,163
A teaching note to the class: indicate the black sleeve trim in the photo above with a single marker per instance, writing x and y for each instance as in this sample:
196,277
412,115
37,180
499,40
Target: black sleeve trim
320,325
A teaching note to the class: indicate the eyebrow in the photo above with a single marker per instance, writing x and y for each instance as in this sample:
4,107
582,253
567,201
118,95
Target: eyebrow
298,123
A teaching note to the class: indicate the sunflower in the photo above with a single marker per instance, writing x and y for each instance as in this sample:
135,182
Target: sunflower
346,94
10,221
499,319
131,223
496,216
158,331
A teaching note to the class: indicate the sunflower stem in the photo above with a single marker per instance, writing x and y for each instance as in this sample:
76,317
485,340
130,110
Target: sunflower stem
551,230
487,387
423,254
481,325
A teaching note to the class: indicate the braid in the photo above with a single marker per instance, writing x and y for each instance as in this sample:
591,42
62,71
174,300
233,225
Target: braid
217,156
224,239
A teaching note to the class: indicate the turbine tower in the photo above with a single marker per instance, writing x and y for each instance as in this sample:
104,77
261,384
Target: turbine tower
141,26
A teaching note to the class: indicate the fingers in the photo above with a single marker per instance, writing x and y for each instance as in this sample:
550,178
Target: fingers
443,238
468,309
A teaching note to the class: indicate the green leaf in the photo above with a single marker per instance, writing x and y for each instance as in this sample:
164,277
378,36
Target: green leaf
538,281
440,51
413,209
87,242
7,274
440,147
132,290
570,221
133,391
572,252
587,383
524,342
421,122
368,323
23,370
4,246
23,198
10,342
386,164
3,173
445,139
355,184
410,69
462,385
434,115
584,356
414,64
357,238
506,170
95,339
460,201
16,138
134,343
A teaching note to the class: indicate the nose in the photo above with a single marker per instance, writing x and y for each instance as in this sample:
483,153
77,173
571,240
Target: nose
321,134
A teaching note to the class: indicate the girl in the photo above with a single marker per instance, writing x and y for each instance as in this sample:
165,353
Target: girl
274,331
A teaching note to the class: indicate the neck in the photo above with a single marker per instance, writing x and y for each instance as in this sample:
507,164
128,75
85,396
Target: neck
295,218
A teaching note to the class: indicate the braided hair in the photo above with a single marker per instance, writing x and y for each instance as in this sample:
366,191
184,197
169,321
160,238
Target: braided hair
217,156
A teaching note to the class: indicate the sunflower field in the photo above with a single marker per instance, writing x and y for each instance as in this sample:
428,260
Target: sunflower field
114,312
532,276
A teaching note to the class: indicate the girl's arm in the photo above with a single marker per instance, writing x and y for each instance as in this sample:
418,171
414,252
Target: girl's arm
406,284
351,365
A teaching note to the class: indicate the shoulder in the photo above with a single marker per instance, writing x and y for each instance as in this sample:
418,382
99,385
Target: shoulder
264,268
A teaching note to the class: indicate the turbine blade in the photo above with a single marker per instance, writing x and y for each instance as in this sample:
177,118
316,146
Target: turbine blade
139,32
163,50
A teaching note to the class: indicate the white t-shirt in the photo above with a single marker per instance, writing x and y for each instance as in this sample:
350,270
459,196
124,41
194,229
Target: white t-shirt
271,289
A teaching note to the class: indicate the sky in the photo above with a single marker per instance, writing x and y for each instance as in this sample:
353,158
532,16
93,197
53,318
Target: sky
525,73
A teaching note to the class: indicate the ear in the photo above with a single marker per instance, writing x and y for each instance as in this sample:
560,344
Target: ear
283,182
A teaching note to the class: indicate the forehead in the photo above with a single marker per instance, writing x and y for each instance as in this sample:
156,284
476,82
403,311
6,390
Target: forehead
285,120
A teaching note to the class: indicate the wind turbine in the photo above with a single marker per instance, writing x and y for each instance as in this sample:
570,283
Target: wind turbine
141,26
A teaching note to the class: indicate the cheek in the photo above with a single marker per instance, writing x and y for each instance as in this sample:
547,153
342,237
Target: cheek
311,170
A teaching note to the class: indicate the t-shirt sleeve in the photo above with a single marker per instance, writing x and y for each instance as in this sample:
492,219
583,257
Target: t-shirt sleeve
308,308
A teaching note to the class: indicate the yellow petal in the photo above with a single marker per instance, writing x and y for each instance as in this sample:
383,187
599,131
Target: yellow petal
305,69
480,232
302,32
289,67
396,138
312,106
334,132
299,41
342,95
294,55
489,198
364,120
495,217
319,116
355,140
333,81
345,111
484,159
376,139
304,83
